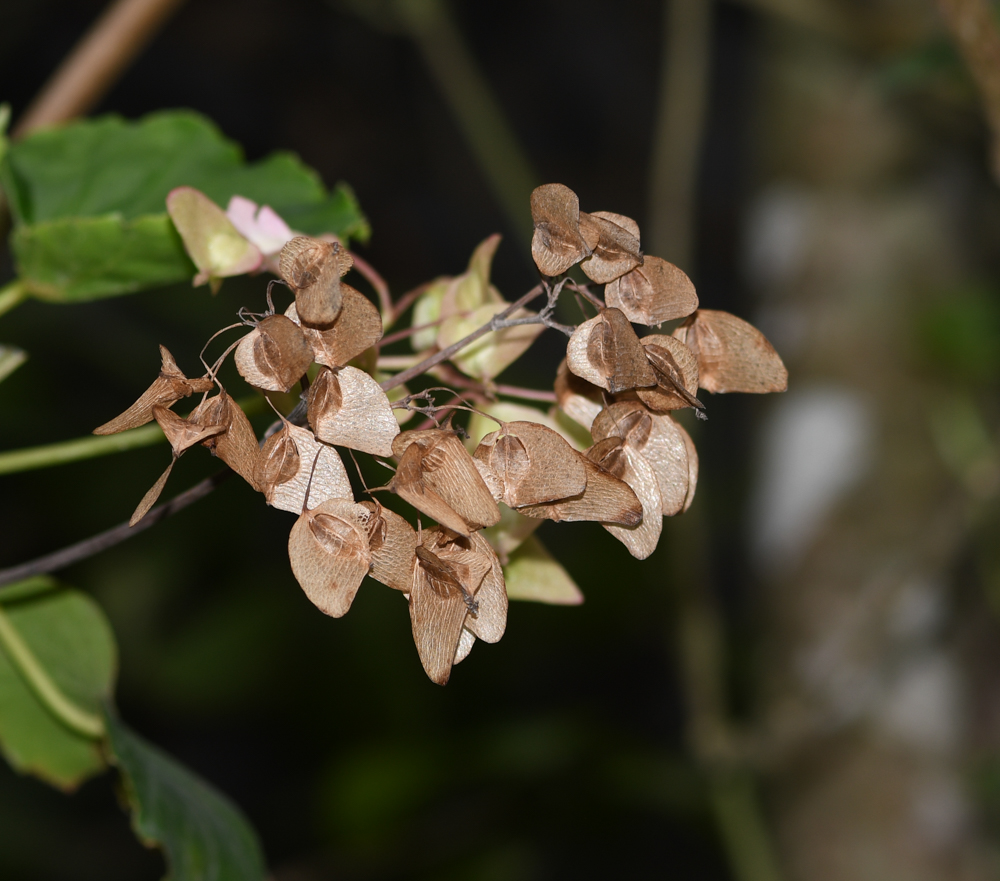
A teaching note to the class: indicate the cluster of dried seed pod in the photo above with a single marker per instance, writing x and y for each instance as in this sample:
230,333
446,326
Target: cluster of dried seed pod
641,464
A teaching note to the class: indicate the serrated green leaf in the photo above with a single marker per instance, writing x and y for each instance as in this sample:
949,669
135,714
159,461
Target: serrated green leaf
85,258
117,174
532,573
204,836
67,633
10,359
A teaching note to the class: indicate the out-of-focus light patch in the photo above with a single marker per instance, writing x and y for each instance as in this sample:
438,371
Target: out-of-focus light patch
816,445
777,235
922,704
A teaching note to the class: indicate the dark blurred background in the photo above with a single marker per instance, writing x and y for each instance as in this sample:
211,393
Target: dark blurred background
801,682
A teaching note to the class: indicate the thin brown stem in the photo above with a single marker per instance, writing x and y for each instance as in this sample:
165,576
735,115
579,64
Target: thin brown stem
98,60
102,541
409,331
497,322
377,282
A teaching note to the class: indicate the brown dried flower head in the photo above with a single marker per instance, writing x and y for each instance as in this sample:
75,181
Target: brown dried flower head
312,269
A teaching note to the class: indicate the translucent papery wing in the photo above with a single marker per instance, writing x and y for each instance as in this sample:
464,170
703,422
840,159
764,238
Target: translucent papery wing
490,619
465,643
274,355
557,242
437,625
312,269
676,369
606,352
319,471
641,540
692,467
617,249
152,494
167,389
328,549
409,484
181,433
733,356
237,445
393,544
448,470
663,444
605,499
347,407
357,328
534,463
653,293
578,398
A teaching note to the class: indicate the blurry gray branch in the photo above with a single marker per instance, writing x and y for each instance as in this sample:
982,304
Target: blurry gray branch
973,26
96,62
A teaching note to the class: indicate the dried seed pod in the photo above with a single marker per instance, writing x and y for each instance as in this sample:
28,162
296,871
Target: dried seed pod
617,249
534,464
631,467
605,499
445,471
293,463
447,575
653,293
312,269
692,468
393,544
466,641
167,389
328,550
606,352
558,242
357,328
490,619
676,370
237,445
274,355
578,399
182,434
347,407
660,441
733,356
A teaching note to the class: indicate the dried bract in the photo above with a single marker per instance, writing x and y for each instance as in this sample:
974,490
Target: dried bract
606,352
605,499
293,463
629,466
617,249
578,399
274,355
558,242
440,470
733,356
676,370
357,329
347,407
663,443
328,550
534,464
393,544
312,269
653,293
167,389
237,445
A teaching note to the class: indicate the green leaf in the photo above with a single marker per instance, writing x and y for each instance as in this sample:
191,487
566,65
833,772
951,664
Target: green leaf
67,634
117,174
10,359
205,837
84,258
532,573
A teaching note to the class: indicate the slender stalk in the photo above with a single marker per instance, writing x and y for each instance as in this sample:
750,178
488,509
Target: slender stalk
477,111
15,461
12,294
98,60
377,282
41,683
497,322
102,541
